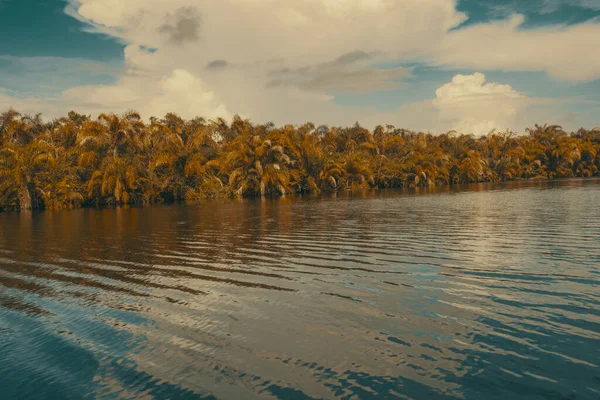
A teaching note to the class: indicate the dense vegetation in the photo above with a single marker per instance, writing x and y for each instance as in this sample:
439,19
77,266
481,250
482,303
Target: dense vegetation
78,161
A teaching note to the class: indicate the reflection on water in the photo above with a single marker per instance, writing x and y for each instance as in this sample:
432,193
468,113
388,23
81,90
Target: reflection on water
473,292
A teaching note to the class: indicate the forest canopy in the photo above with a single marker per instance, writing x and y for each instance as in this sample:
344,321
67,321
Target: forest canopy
78,161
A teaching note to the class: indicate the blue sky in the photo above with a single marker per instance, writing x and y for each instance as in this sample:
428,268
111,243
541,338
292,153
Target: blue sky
538,12
35,28
43,51
423,70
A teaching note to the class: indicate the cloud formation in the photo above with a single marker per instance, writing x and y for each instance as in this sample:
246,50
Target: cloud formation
311,31
466,104
470,105
183,26
179,90
285,61
562,52
350,72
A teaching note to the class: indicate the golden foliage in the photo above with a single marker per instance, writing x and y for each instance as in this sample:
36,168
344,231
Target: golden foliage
119,159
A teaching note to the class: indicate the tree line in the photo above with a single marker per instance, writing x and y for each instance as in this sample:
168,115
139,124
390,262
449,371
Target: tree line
77,161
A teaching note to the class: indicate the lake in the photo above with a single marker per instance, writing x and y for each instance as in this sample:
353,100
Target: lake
474,292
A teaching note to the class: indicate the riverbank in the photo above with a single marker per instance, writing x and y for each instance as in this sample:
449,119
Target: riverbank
77,161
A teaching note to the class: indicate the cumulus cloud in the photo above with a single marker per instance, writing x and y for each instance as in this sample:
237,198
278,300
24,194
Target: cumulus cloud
311,31
179,91
470,105
274,60
283,61
563,52
270,60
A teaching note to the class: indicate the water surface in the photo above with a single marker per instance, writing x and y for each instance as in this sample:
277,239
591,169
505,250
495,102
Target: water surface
478,292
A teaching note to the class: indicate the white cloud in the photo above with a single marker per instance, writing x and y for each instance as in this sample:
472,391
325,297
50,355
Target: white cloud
178,91
467,104
269,52
280,60
468,88
309,31
472,106
563,52
185,93
305,32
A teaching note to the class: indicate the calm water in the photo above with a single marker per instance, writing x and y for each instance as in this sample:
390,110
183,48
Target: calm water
475,293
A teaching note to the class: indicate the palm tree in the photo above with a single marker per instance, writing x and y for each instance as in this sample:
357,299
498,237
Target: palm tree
257,166
63,194
331,175
589,164
472,168
19,129
121,181
119,159
124,135
565,153
18,167
358,172
9,124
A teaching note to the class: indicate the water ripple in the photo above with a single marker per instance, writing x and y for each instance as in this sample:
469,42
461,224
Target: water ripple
488,292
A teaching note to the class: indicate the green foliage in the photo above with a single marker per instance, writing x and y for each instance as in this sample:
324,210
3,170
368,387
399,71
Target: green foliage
77,161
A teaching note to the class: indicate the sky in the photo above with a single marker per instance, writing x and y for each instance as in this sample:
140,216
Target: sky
427,65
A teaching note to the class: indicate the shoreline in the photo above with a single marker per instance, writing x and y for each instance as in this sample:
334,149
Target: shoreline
77,161
348,194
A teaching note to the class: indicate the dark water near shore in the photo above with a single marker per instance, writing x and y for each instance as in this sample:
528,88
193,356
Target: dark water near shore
481,292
